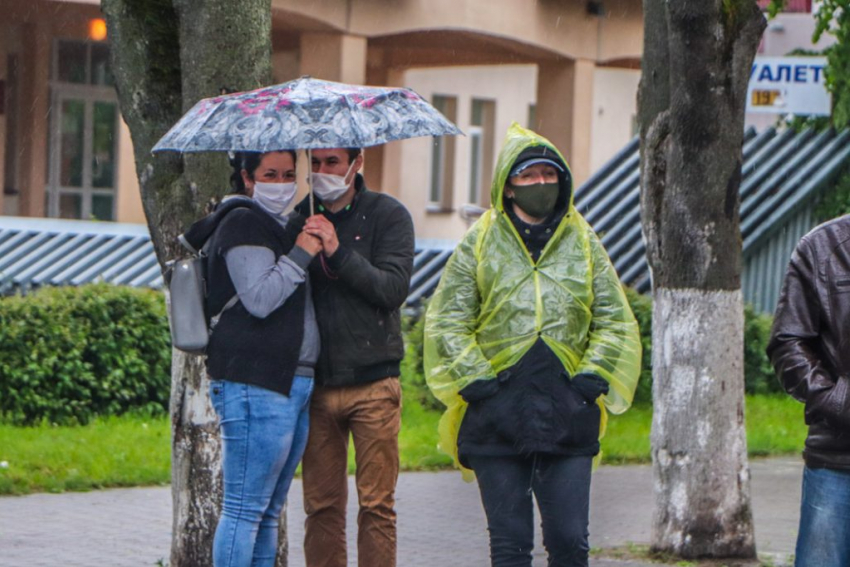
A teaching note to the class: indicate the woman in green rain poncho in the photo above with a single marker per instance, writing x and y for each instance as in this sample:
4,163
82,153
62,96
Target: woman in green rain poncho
528,340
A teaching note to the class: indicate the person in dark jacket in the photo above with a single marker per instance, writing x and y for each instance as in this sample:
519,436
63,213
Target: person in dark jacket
529,340
810,350
261,352
360,282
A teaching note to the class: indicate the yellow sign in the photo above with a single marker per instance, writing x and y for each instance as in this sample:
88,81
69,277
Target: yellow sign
764,98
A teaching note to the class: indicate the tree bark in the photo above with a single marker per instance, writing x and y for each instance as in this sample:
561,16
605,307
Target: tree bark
166,55
697,58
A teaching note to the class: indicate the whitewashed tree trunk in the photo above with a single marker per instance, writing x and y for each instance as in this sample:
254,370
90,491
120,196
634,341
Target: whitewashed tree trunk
196,462
697,59
699,448
166,55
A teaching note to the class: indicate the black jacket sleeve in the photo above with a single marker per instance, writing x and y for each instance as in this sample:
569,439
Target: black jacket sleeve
383,281
794,343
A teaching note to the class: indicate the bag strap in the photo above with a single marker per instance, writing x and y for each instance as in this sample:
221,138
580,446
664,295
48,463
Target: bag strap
185,243
228,305
263,217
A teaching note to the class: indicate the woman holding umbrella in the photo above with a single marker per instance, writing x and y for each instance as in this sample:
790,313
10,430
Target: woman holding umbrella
261,353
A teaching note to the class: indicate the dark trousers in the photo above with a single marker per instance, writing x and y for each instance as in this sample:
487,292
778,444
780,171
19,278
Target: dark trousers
561,486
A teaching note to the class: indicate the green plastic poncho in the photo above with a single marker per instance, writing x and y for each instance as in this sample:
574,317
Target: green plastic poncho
493,302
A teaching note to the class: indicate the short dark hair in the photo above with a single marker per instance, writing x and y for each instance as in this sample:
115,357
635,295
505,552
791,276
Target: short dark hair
249,161
353,153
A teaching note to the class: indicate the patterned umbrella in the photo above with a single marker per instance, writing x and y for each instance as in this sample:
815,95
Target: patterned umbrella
305,114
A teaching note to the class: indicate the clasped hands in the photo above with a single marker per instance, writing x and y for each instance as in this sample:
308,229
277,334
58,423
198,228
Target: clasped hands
318,235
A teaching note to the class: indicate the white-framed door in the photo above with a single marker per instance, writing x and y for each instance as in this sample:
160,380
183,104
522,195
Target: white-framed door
83,142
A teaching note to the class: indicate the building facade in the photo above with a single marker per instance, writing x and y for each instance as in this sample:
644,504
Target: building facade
566,69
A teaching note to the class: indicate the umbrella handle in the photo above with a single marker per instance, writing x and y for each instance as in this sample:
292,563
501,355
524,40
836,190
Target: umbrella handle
309,182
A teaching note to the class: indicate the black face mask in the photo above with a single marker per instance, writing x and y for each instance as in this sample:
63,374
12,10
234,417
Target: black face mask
536,200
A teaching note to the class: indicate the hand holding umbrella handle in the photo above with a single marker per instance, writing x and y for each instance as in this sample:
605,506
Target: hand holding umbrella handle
309,181
321,227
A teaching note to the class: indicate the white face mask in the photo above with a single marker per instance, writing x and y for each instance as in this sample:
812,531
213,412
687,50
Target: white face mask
329,187
274,197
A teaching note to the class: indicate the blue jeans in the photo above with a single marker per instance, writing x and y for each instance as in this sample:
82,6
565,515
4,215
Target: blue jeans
561,485
263,434
824,538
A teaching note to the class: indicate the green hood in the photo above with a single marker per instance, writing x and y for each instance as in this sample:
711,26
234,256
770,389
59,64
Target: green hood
494,302
516,142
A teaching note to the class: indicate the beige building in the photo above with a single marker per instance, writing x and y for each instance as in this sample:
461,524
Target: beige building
567,68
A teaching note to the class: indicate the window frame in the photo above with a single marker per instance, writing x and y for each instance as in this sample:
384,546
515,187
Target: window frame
90,95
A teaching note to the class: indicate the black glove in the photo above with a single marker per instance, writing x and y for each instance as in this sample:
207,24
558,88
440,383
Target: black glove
480,389
590,386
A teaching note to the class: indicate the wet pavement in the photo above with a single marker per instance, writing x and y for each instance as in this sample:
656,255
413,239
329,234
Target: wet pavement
441,521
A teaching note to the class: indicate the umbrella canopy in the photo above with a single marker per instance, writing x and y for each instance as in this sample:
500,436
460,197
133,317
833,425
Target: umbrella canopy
305,113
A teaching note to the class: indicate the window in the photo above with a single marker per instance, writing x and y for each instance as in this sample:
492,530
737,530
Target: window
532,117
11,156
82,63
442,159
480,133
83,150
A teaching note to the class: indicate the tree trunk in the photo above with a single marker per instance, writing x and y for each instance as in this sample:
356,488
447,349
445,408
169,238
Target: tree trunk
697,58
166,55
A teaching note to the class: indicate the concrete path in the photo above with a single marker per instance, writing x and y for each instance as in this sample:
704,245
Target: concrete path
441,522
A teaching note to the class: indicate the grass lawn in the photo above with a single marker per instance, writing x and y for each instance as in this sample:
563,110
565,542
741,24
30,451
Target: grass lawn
109,452
774,427
134,451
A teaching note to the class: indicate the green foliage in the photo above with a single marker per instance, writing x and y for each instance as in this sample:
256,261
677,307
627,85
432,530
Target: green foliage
832,17
759,376
836,200
642,308
775,7
69,354
412,368
732,11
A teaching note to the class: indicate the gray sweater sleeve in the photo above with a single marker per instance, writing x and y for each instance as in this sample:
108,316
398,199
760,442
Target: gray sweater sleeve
262,283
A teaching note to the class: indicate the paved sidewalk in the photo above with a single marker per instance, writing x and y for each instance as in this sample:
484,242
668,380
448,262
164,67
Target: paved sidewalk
441,522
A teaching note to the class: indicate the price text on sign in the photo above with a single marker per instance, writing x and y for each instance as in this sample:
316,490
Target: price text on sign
764,98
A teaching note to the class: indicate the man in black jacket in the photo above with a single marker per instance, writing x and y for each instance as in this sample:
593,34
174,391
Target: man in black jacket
359,285
810,349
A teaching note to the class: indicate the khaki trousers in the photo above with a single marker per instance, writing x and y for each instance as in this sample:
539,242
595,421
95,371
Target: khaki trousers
371,413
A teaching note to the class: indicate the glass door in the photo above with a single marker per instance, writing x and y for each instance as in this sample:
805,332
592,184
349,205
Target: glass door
83,156
83,146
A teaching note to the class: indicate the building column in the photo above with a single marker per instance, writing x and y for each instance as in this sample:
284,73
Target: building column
382,168
341,58
565,111
334,57
4,110
34,121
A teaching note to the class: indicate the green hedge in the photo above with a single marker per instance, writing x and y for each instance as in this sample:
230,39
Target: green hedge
759,377
69,354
